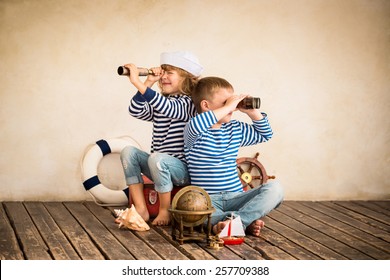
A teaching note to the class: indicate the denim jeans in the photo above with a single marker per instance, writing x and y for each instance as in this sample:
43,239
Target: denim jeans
164,170
250,205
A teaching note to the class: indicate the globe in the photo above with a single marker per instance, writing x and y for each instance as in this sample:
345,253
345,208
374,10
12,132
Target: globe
191,206
192,200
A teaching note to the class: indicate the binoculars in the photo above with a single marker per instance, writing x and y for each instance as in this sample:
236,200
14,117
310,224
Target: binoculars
124,71
246,103
250,103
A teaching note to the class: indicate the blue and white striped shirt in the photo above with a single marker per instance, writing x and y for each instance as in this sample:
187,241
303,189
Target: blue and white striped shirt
211,153
169,116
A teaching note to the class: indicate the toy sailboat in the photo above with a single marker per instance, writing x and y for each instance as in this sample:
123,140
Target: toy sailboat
233,233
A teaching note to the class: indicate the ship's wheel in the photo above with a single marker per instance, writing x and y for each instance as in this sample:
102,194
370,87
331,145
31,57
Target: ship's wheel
251,172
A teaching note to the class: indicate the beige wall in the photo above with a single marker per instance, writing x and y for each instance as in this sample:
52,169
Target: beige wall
322,70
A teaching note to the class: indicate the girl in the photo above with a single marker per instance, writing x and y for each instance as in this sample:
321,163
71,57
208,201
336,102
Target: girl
169,112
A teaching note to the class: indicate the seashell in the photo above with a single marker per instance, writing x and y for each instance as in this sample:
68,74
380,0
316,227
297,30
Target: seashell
118,212
131,219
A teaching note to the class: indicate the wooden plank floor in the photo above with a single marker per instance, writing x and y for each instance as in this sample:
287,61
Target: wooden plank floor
296,230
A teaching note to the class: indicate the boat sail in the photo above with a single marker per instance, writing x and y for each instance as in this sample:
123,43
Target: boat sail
233,233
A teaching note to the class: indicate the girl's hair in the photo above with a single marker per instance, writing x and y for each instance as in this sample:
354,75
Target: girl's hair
205,89
188,83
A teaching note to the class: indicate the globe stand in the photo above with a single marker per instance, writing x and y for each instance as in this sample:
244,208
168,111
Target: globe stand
191,207
182,232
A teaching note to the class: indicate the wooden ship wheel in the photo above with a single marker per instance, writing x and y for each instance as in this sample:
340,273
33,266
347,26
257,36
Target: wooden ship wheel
251,172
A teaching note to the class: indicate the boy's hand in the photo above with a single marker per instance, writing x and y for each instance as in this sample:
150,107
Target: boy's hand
229,107
254,114
232,102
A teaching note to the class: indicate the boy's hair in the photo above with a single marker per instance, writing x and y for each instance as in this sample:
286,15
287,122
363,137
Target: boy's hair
205,89
188,83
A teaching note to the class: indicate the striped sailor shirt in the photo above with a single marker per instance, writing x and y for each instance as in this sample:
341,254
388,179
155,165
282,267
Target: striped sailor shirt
211,153
169,115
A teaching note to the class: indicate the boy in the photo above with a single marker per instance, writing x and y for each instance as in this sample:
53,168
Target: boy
212,141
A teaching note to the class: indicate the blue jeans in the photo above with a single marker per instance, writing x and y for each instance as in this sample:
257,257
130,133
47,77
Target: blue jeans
164,170
251,205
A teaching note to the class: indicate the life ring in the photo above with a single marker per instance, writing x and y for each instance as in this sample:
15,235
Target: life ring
90,163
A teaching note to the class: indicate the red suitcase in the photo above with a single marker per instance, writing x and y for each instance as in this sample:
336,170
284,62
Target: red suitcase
151,197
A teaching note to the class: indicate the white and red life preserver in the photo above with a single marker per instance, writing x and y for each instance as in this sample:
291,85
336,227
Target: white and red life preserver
90,164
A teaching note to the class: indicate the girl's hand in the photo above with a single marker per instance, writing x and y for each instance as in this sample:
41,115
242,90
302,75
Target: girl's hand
134,78
134,73
157,74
